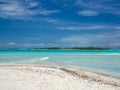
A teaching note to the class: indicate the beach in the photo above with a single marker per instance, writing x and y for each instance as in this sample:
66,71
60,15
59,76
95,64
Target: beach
59,44
47,77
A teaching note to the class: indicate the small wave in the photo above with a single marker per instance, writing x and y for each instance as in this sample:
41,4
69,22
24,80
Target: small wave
44,58
39,59
113,54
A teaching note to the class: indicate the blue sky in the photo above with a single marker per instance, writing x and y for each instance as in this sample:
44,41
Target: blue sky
44,23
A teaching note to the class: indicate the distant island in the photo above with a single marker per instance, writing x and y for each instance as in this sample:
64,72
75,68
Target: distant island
72,48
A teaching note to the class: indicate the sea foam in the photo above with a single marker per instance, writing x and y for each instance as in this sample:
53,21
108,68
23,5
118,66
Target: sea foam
39,59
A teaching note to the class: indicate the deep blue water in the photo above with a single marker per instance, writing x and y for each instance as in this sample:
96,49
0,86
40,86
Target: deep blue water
105,61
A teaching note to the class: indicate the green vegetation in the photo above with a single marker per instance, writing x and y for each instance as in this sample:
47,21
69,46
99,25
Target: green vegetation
71,48
48,48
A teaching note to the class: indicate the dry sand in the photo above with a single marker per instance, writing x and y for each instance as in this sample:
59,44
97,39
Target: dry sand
42,77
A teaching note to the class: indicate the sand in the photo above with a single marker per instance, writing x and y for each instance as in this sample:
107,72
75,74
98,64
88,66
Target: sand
45,77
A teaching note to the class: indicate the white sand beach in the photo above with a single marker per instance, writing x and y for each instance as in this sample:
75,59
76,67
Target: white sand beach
43,77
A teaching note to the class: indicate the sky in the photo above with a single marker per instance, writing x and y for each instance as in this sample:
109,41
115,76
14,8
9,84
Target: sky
59,23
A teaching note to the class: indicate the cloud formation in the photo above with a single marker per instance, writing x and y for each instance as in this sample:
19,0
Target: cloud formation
22,9
11,43
88,13
26,45
89,27
104,39
88,22
101,6
25,9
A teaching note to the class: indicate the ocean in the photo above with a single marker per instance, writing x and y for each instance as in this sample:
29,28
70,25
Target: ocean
102,61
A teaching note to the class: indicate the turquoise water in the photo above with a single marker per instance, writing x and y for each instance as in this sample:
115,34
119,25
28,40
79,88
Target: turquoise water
105,61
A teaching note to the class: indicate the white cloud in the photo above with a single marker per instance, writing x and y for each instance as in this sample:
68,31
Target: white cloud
118,27
88,13
22,9
89,27
77,26
50,20
101,6
32,38
31,45
47,12
103,39
21,45
11,43
82,28
33,4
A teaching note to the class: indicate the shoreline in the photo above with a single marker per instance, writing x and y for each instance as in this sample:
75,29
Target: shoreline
74,74
55,65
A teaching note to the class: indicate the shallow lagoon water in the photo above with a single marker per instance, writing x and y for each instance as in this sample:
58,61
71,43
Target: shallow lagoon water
103,61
